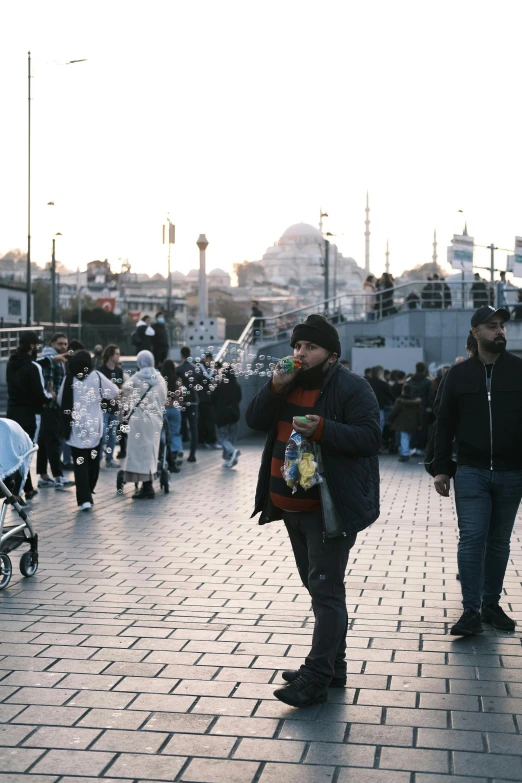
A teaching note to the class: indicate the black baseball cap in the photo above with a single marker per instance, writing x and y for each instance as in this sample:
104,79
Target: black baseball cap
483,314
29,338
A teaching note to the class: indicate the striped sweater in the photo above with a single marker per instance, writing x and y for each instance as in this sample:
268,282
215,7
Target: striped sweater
299,402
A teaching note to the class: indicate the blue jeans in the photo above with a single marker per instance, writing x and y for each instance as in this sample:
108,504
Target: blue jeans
487,503
404,444
226,435
110,427
173,419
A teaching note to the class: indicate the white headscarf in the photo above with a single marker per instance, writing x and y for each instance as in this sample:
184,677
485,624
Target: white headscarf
146,369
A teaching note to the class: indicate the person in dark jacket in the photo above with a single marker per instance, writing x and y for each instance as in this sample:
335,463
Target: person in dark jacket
406,418
383,392
190,378
322,522
225,402
142,338
479,291
160,341
26,394
481,407
206,419
422,386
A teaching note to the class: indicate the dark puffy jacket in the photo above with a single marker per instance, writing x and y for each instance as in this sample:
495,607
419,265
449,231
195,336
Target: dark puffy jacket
349,446
225,399
25,386
488,433
406,415
422,387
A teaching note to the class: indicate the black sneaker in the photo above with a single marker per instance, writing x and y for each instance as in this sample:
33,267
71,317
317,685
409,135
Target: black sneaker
302,692
468,625
292,674
496,616
192,458
145,493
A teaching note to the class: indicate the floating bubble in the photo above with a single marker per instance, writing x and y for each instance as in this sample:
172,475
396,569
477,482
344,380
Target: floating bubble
108,450
261,356
94,453
120,492
80,461
137,435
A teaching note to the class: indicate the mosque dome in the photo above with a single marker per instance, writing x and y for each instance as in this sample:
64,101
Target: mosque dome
303,233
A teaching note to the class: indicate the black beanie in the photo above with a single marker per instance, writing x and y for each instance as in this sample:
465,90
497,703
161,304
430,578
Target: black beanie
317,329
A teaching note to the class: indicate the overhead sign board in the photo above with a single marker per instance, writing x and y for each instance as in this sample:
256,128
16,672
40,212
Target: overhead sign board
460,254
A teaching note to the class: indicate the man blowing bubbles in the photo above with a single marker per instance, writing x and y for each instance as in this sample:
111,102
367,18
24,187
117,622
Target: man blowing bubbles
322,522
481,407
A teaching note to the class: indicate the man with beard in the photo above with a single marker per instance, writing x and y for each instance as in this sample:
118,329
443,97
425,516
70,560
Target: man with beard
481,407
337,412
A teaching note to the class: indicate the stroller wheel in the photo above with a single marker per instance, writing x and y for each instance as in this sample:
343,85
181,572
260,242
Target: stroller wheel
29,563
6,570
165,481
120,480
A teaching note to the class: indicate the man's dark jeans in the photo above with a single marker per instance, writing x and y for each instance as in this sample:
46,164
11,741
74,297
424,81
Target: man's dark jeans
190,418
321,563
487,503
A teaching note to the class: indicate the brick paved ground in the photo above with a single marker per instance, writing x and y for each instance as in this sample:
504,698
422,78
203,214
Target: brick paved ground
147,647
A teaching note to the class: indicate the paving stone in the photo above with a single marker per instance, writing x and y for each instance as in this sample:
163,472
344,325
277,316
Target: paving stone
216,706
367,734
449,739
50,716
11,735
218,771
269,750
130,741
415,760
293,773
44,695
113,719
182,722
147,767
197,745
73,762
308,730
103,699
353,775
480,721
492,765
18,759
339,754
53,737
429,718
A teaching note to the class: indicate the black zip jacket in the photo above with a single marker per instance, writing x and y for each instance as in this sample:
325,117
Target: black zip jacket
488,428
382,391
349,446
26,394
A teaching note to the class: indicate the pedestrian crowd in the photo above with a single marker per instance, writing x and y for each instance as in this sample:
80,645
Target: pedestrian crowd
81,406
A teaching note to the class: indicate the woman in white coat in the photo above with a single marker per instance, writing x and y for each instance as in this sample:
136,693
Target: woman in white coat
80,398
143,402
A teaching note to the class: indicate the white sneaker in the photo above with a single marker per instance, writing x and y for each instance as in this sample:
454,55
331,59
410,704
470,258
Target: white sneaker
85,507
234,457
45,481
61,483
218,446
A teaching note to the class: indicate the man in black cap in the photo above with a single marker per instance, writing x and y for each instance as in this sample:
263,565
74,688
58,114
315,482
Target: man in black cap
26,392
342,424
481,407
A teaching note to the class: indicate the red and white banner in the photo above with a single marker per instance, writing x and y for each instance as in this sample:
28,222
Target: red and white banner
134,315
108,303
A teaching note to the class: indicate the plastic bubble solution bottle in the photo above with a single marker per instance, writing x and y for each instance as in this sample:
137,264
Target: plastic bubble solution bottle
289,365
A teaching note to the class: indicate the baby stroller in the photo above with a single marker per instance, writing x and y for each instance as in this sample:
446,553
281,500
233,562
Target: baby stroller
163,463
16,451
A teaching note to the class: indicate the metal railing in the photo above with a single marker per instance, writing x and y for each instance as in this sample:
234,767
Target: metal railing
363,307
9,338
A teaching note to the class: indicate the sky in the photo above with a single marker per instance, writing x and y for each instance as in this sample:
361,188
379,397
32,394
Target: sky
240,118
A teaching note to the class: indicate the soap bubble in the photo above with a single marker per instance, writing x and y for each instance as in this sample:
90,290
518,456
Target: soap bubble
261,356
80,461
137,435
94,453
108,450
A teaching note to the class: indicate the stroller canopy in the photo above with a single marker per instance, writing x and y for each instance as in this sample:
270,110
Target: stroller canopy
16,449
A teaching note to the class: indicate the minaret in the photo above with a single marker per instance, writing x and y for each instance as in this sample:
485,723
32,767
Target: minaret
387,266
367,238
434,256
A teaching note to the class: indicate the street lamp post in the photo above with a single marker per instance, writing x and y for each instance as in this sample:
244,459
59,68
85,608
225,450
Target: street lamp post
28,306
29,314
202,243
54,308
